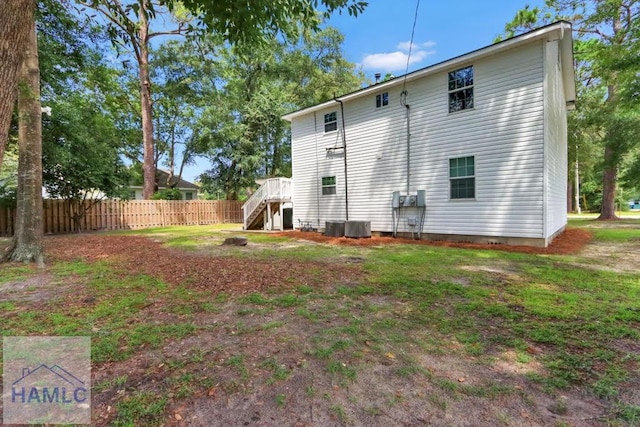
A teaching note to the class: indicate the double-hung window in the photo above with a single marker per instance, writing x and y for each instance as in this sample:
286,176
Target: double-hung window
331,121
328,185
461,89
462,178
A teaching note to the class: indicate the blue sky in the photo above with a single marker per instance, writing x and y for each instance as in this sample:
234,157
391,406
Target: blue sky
378,39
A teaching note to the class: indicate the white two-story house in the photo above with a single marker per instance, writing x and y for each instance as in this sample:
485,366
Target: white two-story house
471,149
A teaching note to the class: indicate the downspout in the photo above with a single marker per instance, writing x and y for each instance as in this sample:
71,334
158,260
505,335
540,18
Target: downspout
344,147
315,133
403,101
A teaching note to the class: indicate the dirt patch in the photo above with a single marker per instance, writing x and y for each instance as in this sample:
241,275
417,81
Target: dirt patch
614,256
571,241
34,288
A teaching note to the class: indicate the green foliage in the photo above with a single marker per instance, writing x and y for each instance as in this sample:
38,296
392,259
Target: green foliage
264,20
80,152
81,136
246,136
167,194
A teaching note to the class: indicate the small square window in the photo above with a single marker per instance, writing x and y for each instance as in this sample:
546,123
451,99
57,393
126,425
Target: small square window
331,122
382,99
461,89
188,195
462,178
328,185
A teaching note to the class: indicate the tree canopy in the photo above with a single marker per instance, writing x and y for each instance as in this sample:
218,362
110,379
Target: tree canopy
607,120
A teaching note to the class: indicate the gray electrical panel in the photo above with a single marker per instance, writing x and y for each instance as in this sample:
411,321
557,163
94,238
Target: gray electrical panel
395,200
400,203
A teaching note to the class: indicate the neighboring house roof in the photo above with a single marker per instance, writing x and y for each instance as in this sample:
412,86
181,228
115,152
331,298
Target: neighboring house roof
161,179
566,49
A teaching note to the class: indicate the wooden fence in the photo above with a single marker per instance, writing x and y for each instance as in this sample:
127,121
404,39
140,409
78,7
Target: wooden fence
121,215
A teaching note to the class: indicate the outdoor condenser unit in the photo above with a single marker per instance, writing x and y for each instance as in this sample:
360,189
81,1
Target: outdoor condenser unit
357,229
334,228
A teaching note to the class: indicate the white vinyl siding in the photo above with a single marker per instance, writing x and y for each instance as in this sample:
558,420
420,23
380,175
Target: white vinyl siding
555,143
310,162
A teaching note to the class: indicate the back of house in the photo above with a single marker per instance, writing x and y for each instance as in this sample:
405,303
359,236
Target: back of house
470,149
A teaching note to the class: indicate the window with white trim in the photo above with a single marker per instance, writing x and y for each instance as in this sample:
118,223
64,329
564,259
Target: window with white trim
331,121
188,195
328,185
382,99
461,89
462,178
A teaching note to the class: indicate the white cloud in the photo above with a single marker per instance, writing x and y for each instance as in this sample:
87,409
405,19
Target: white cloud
404,46
397,61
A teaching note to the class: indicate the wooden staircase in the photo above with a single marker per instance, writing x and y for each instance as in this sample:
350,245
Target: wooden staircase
270,198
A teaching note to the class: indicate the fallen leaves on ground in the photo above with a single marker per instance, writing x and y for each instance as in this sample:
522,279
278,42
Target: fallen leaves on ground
234,275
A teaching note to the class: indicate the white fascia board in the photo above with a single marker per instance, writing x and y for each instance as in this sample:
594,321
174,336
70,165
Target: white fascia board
568,70
561,29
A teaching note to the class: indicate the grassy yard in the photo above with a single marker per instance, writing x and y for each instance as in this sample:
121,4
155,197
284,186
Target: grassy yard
404,334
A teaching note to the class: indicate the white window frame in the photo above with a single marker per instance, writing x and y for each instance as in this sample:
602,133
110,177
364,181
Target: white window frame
382,99
460,87
331,121
329,189
462,177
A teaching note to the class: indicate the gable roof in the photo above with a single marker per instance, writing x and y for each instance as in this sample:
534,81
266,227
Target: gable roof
560,29
162,176
161,180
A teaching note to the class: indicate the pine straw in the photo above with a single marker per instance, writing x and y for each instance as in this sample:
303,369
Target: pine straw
571,241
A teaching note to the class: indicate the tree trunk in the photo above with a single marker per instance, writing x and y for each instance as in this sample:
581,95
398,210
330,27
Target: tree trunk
148,166
611,158
27,241
15,18
608,209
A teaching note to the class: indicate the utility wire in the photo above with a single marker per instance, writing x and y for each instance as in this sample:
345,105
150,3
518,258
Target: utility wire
406,71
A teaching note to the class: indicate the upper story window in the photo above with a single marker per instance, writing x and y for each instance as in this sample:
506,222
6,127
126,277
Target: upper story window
331,122
382,99
462,177
328,185
461,89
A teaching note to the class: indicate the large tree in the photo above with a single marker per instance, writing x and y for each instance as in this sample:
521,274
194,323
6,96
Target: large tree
27,240
16,18
246,23
606,44
183,76
129,23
